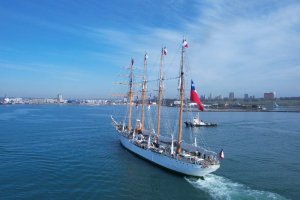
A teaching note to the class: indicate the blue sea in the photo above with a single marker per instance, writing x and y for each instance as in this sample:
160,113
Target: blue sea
73,152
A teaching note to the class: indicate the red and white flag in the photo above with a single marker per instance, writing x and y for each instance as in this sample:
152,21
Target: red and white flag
195,98
185,44
222,154
164,51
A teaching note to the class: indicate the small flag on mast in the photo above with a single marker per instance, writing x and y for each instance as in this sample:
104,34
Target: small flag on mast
132,61
222,154
146,56
195,98
185,44
164,51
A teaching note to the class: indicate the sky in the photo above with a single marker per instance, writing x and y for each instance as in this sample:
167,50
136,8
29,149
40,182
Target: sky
81,48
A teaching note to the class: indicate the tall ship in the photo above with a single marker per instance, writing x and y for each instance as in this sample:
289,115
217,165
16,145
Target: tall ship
164,151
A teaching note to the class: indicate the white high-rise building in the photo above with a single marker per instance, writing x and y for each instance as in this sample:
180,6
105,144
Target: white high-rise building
60,98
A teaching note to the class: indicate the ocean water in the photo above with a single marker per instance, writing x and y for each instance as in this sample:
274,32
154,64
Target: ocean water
73,152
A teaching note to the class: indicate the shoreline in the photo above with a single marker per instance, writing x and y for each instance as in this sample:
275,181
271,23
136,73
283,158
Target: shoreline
293,109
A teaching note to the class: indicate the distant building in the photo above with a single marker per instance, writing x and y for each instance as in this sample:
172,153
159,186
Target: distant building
176,103
16,100
269,95
231,95
219,97
6,100
60,98
246,96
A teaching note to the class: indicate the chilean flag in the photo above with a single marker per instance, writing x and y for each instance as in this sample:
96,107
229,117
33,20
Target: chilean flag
195,98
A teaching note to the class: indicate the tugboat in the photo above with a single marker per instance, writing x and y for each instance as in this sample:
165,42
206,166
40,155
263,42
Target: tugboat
197,122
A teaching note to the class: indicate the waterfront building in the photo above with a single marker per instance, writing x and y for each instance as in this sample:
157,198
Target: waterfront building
252,97
231,95
219,97
6,100
210,96
269,95
60,98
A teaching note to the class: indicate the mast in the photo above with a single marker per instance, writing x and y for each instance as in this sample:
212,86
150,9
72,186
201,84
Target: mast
160,90
130,94
181,91
144,89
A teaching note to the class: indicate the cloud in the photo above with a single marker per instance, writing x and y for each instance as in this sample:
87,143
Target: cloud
249,50
53,71
246,47
241,46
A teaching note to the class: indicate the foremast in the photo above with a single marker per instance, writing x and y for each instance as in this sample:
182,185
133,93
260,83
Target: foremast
181,92
130,94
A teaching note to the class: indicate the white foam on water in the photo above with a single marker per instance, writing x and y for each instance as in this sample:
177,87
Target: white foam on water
222,188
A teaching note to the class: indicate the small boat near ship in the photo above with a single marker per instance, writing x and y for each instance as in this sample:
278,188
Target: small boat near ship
164,151
197,122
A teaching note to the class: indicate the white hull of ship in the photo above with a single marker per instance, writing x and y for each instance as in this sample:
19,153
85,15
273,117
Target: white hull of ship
168,162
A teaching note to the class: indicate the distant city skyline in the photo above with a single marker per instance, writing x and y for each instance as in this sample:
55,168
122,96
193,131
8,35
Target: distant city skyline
79,48
230,96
